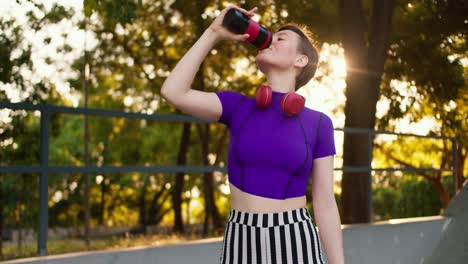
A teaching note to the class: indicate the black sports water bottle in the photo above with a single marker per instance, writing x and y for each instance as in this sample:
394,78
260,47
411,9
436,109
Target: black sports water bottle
238,23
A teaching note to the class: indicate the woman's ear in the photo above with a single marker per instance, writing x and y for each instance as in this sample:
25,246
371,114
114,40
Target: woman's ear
302,61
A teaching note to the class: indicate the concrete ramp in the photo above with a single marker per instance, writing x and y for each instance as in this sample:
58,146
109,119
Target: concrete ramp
396,241
452,247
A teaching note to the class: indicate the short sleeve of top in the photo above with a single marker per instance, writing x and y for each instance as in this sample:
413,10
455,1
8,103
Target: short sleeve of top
325,145
229,102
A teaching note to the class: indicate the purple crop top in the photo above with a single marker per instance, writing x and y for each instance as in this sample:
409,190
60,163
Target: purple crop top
270,154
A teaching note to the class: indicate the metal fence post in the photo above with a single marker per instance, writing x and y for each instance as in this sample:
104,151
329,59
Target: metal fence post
43,183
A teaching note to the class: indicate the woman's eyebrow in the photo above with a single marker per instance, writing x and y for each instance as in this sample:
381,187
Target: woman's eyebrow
281,33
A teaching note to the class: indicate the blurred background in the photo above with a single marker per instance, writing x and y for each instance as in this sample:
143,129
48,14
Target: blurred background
391,70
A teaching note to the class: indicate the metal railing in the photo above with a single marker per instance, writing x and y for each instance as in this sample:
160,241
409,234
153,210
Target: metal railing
44,169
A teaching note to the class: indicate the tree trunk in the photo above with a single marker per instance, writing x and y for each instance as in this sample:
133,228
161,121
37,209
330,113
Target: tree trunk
365,60
101,205
21,202
142,218
211,211
443,194
179,179
155,206
159,212
460,166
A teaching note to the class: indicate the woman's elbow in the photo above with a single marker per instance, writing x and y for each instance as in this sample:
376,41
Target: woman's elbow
164,92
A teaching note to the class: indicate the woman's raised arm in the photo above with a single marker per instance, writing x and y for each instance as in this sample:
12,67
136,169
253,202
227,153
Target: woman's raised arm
177,90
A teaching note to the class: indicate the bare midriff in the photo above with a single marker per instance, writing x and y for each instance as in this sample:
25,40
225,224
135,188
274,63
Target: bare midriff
247,202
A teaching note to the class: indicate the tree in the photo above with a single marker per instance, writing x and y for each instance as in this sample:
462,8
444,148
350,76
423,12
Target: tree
431,63
365,48
15,61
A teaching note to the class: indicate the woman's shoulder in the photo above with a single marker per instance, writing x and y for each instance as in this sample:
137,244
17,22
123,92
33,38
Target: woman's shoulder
313,119
311,114
232,96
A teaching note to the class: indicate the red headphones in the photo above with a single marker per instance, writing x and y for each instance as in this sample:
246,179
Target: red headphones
291,103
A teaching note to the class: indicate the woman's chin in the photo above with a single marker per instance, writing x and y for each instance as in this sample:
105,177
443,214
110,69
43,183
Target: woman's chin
263,62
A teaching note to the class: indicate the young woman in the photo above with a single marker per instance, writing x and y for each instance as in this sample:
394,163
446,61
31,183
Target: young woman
275,145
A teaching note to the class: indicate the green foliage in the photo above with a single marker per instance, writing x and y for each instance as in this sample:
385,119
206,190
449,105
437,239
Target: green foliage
427,44
407,196
56,14
117,11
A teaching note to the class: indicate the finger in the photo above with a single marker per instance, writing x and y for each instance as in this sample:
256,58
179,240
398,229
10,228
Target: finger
241,9
244,37
253,10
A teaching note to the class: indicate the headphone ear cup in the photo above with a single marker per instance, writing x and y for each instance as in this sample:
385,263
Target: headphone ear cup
264,96
292,103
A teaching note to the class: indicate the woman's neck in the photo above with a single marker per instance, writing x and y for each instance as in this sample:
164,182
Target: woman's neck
281,82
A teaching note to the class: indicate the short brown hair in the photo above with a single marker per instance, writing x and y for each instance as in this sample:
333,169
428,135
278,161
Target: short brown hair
306,46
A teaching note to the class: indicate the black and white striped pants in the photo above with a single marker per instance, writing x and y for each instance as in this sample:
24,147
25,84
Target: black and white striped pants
288,237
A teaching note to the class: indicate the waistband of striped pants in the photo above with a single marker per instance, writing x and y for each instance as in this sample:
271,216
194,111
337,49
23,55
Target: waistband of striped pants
269,219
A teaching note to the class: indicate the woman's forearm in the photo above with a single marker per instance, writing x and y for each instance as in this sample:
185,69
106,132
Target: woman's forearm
328,222
180,79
